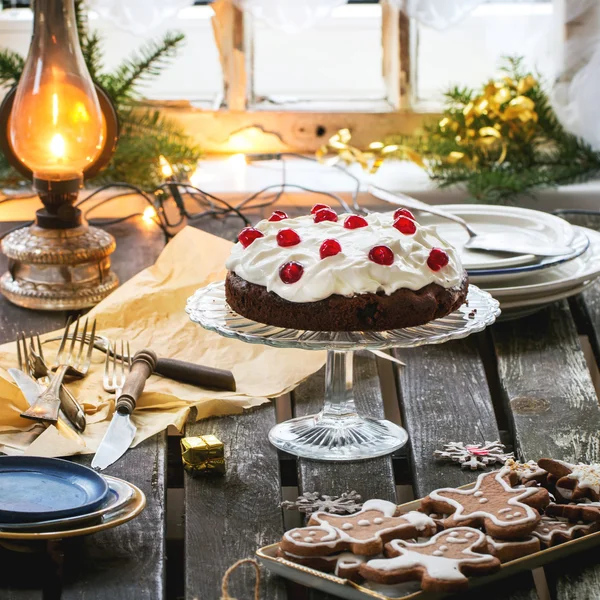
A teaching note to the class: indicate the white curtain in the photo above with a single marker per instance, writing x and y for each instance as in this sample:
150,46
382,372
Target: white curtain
141,16
292,16
577,89
137,16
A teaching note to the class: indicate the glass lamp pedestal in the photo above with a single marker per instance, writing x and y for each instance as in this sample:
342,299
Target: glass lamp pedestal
338,433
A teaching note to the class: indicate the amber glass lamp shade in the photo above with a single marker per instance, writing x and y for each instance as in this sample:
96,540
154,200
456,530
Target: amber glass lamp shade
56,126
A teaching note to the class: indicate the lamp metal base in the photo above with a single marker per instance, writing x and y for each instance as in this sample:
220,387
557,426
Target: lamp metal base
58,269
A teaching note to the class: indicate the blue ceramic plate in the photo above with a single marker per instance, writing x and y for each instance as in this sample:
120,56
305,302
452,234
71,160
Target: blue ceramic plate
120,493
38,489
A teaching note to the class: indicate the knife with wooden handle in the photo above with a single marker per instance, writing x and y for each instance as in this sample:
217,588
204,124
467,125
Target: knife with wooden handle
121,431
186,372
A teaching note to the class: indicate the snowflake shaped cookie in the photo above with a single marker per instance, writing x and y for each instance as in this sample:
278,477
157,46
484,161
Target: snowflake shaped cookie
441,563
503,511
309,502
364,532
473,456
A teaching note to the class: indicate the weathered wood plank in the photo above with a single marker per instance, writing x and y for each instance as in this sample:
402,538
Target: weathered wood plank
370,478
586,306
553,407
444,397
227,518
128,561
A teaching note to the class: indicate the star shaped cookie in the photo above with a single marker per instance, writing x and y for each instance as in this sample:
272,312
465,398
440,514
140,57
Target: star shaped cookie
574,482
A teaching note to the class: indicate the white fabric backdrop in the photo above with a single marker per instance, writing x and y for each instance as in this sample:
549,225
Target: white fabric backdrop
141,16
577,89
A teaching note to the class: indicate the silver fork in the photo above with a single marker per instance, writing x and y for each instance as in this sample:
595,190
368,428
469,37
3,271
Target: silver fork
116,368
39,370
75,362
25,360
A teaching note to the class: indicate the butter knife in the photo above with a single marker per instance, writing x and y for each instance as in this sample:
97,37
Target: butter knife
121,431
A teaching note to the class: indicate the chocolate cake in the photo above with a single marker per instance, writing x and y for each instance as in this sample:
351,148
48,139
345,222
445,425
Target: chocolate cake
329,272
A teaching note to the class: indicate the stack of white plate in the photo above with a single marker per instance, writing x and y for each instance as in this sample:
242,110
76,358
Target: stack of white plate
523,283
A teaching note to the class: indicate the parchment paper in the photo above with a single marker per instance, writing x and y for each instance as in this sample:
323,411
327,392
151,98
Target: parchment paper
148,310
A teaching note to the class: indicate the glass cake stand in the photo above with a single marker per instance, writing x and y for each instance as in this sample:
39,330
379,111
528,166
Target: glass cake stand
338,432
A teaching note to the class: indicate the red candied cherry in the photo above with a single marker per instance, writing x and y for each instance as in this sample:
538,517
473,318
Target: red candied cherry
354,222
291,272
382,255
405,225
317,207
329,248
278,215
248,235
437,259
287,237
325,214
404,212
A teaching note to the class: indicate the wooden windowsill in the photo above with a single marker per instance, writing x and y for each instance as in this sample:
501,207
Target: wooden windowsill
233,180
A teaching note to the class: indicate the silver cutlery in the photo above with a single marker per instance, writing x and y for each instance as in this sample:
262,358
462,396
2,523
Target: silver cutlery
76,362
31,389
39,371
487,242
178,370
126,379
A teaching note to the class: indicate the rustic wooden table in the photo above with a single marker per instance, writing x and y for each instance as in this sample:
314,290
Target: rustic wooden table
525,382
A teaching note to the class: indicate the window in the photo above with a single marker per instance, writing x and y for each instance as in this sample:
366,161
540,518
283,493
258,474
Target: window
367,67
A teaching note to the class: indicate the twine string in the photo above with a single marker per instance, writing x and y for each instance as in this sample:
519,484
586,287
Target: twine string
225,582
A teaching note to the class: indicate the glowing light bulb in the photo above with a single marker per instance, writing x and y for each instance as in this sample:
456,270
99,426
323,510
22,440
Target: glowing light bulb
149,214
165,167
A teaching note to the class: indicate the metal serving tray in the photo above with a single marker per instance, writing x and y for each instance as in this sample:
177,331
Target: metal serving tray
344,588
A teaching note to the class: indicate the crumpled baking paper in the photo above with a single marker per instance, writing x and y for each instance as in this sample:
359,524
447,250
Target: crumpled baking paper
149,311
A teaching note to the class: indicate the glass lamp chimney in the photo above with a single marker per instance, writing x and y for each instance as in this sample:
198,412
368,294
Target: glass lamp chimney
56,126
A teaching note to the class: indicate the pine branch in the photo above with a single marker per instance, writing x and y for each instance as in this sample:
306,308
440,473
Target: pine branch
81,20
91,47
11,67
146,64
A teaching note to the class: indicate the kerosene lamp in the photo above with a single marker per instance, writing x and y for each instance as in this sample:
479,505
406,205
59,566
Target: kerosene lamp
57,128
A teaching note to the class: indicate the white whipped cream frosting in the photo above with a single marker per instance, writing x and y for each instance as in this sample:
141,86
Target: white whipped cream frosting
350,272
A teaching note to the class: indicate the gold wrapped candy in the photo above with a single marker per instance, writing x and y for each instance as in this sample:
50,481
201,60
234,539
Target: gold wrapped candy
203,454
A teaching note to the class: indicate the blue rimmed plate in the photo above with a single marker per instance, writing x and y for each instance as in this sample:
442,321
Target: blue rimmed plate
485,277
40,489
120,493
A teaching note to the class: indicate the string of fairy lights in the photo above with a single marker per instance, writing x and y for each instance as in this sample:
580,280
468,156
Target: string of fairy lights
176,195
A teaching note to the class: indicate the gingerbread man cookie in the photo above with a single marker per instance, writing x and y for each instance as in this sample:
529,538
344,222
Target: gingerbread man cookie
574,482
441,563
345,565
585,511
503,511
552,531
364,532
507,550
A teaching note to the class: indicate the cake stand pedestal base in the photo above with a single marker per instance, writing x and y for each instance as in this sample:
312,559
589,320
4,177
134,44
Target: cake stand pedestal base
338,433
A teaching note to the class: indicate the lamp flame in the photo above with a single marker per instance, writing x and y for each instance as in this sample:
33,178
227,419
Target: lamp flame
57,146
